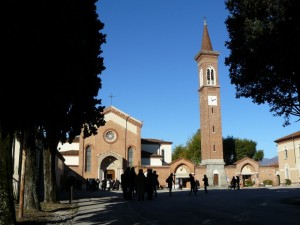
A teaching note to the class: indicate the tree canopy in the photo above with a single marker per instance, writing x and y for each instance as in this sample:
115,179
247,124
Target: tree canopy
264,47
234,149
191,151
51,62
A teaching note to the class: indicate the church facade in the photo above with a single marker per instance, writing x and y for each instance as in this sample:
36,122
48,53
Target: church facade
116,146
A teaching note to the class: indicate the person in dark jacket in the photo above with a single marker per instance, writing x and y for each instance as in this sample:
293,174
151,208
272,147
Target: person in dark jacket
193,185
170,182
140,183
205,183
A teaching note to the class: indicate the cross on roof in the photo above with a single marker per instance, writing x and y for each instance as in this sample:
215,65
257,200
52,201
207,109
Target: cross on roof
111,96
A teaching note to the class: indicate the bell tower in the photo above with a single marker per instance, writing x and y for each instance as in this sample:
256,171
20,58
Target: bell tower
210,112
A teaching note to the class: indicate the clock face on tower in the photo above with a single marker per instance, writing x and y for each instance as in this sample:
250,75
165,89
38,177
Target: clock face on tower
110,136
212,100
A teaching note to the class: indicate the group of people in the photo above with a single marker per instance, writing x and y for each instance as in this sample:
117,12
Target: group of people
110,184
143,185
138,185
193,183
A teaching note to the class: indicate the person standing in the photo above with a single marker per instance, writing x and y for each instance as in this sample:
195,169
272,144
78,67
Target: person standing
237,182
125,183
193,185
149,184
170,182
205,182
233,182
140,183
132,176
155,183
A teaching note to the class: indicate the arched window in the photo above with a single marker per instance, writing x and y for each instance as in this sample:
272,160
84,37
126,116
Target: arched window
88,158
130,156
287,172
210,75
163,154
285,153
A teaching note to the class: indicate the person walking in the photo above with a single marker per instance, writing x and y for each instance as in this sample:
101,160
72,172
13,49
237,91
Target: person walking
170,182
205,182
193,185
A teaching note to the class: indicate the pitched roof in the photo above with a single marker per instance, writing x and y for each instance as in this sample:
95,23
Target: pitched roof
112,109
206,47
290,136
154,141
206,43
70,152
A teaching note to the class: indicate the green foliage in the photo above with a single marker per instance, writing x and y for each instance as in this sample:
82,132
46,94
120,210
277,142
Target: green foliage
259,155
268,182
229,150
249,183
244,148
194,148
233,148
288,182
236,149
264,48
179,152
191,151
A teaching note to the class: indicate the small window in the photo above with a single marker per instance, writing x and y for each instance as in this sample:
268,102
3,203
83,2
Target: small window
287,172
88,158
214,148
213,129
130,156
285,153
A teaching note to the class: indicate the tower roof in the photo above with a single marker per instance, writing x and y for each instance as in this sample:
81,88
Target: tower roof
206,48
206,43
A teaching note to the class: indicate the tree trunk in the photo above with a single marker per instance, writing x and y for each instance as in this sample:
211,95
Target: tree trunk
7,207
32,201
50,149
22,184
47,175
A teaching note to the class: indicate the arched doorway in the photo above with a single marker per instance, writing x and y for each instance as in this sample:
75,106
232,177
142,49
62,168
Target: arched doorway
182,176
108,168
248,175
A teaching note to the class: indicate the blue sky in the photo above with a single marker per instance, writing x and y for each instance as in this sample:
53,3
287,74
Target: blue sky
151,71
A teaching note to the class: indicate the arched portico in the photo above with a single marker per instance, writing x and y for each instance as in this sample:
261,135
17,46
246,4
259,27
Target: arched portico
248,170
181,169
